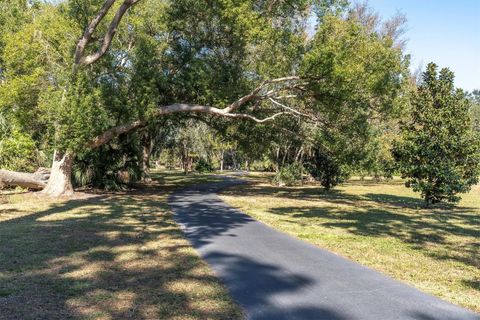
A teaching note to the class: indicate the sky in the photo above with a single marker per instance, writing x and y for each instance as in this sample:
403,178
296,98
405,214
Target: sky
446,32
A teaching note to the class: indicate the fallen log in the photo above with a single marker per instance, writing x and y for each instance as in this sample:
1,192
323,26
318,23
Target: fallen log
34,181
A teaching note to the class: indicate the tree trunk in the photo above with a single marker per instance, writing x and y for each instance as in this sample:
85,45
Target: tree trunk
189,164
277,162
34,181
222,156
60,182
184,164
147,146
146,164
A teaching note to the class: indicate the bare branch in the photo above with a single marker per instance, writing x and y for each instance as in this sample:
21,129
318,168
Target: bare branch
114,132
88,34
255,94
296,112
80,58
290,96
257,120
182,107
288,108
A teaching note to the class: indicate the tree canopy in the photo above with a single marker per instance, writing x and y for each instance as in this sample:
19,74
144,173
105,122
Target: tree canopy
100,85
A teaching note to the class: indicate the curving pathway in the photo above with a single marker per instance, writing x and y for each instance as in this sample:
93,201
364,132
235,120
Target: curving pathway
275,276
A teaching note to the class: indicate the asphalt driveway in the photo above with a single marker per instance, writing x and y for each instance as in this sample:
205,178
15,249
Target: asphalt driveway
275,276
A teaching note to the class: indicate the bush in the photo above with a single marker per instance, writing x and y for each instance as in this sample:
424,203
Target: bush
203,166
110,167
327,170
289,175
18,152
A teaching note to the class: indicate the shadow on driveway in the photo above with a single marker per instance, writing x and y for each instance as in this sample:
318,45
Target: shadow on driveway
274,276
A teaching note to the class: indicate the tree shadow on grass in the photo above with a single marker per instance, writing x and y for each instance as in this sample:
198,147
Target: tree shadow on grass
421,230
417,203
115,257
474,284
382,215
317,193
398,201
121,256
294,193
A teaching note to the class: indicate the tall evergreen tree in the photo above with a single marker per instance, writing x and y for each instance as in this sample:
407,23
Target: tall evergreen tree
439,152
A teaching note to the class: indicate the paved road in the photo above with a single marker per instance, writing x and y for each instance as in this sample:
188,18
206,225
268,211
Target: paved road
274,276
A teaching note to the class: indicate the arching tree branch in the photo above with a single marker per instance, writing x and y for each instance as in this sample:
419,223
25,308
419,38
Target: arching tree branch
114,132
273,89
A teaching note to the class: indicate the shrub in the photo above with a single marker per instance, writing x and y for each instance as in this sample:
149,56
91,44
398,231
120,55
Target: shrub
18,152
110,167
327,170
289,175
203,166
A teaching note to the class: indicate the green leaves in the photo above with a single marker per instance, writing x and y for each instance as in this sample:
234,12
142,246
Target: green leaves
18,152
361,88
359,70
355,82
35,52
439,152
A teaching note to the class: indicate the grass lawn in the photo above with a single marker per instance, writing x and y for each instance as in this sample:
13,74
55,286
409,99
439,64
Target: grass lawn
381,225
110,256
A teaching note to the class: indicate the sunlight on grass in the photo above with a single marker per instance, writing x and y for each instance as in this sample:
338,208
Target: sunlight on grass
381,225
113,256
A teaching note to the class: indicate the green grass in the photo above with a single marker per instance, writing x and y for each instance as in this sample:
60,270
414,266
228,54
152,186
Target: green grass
110,256
381,225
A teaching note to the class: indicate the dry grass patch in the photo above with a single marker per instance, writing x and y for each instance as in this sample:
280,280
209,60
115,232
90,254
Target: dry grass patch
115,256
381,225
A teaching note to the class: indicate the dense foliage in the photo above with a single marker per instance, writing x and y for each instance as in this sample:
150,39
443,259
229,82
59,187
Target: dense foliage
439,153
337,117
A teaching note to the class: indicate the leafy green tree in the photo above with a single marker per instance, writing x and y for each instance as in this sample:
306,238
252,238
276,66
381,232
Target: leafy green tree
475,98
31,45
361,83
240,60
439,153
